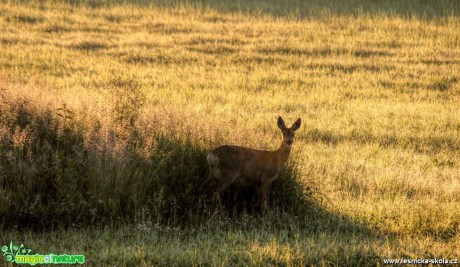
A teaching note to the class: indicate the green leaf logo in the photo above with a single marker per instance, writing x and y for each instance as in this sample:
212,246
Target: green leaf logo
12,251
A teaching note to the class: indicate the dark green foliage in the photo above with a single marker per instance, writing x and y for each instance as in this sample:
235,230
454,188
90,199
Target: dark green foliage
42,167
57,173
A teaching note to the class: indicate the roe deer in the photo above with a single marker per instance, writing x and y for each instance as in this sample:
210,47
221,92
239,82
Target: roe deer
243,166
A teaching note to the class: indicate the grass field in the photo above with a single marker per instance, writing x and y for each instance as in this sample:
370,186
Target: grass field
107,111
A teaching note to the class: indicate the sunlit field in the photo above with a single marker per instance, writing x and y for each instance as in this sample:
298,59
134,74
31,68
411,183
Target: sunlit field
107,112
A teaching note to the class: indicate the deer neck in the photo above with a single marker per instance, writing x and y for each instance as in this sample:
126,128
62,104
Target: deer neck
282,153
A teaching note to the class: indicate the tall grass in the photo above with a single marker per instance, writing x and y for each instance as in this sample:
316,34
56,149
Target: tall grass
57,172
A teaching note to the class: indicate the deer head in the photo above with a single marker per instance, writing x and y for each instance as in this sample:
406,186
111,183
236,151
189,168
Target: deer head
288,133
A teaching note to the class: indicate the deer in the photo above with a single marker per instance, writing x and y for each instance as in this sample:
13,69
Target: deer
242,166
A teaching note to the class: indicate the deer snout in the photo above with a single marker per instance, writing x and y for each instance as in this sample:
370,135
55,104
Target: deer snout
289,142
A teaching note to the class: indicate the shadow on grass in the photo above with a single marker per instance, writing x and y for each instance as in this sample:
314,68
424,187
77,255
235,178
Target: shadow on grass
56,173
429,144
303,9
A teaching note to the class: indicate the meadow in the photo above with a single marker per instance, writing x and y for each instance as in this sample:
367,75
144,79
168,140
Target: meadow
107,111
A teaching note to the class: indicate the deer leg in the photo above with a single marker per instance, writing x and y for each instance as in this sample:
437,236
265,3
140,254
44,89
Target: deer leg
208,186
212,181
217,200
259,192
262,192
225,182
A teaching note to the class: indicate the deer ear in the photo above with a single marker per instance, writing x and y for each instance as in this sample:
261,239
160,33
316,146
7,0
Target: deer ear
281,124
296,125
